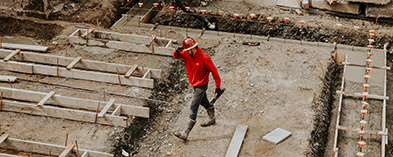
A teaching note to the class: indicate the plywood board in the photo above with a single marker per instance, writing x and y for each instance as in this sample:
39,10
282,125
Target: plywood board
85,64
74,73
237,141
64,113
70,102
43,148
24,47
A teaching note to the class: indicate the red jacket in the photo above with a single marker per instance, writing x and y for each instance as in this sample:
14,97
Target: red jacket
198,68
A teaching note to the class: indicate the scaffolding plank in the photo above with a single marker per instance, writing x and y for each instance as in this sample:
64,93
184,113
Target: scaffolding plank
24,47
49,95
106,108
43,148
67,150
237,141
70,102
64,113
11,55
73,73
86,64
72,64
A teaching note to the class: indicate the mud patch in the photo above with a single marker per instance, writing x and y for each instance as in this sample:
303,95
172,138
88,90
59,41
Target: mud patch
41,31
323,106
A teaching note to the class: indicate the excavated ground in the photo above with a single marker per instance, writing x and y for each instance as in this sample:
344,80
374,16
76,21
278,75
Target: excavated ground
262,96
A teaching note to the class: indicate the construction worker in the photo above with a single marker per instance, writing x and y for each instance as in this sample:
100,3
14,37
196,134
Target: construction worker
198,66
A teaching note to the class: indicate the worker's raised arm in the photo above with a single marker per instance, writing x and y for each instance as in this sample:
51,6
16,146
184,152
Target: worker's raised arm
212,68
178,53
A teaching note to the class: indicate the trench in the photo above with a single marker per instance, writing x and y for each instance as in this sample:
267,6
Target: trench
323,106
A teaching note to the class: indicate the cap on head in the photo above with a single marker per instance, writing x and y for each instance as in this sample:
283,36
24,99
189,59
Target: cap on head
189,43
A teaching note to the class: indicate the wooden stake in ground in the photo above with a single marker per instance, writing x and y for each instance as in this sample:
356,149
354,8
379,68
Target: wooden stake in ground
118,76
50,152
66,140
57,68
98,108
77,149
9,81
66,48
1,101
104,96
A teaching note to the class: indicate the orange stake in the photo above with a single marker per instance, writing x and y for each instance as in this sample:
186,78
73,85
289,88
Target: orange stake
77,149
118,76
95,118
9,81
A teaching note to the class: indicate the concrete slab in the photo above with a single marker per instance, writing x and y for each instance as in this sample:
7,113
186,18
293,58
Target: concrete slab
378,2
343,7
288,3
385,11
277,135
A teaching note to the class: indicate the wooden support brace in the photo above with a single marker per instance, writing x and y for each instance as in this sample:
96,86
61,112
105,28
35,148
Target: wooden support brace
153,37
46,98
67,150
167,45
359,95
129,72
12,55
367,132
76,60
106,108
359,65
85,154
3,138
117,111
237,141
147,74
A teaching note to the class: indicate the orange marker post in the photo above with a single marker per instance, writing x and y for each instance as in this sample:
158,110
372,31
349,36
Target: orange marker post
140,4
155,5
364,103
187,8
286,19
203,11
171,7
363,112
368,70
365,86
361,144
365,94
236,15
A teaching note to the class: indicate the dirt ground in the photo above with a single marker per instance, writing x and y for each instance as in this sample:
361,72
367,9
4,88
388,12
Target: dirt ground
277,84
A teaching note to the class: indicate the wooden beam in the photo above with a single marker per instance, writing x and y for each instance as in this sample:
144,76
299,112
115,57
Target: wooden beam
7,78
359,95
73,73
9,155
42,148
24,47
3,138
367,132
64,113
67,150
360,65
85,154
42,102
70,102
106,108
147,75
11,55
87,64
117,111
72,64
129,73
237,141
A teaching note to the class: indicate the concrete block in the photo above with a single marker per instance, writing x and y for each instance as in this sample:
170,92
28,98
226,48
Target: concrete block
385,11
277,135
351,8
377,2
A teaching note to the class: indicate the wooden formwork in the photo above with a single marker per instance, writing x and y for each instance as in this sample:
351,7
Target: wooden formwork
127,42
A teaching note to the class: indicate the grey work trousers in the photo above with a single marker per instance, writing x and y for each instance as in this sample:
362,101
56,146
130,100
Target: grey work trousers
199,98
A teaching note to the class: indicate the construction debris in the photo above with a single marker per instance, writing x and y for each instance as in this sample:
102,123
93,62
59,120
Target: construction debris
277,135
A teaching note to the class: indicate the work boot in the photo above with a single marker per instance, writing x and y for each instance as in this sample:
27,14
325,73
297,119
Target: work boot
212,118
184,134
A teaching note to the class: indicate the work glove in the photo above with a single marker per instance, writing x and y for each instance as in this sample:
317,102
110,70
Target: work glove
218,92
179,49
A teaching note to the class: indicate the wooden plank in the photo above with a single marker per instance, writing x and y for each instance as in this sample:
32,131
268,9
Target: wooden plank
9,155
367,132
85,154
67,150
360,95
86,64
132,70
11,55
147,75
359,65
42,148
72,64
117,111
106,108
42,102
64,113
73,73
134,47
70,102
7,78
3,138
237,141
25,47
